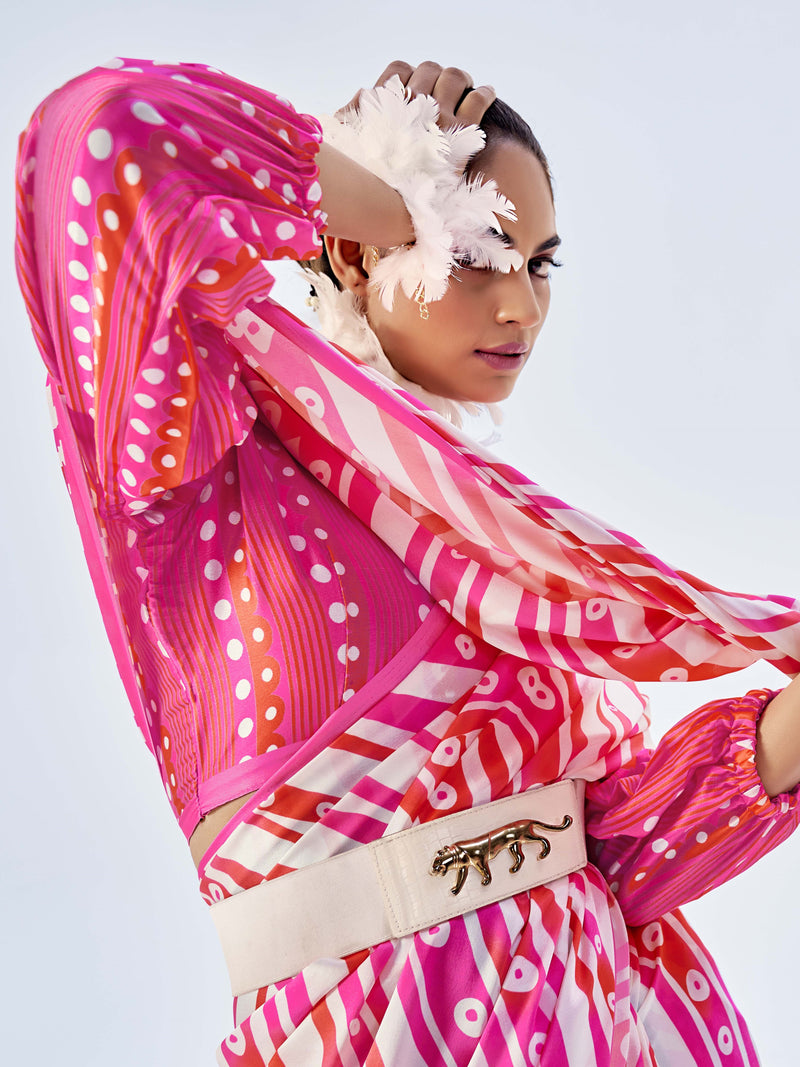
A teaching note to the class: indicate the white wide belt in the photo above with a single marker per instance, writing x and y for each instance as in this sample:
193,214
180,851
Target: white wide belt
401,883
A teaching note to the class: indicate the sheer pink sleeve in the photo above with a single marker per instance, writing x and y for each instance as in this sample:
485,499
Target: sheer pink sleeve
148,197
688,815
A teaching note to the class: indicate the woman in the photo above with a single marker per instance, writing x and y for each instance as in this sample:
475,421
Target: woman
318,666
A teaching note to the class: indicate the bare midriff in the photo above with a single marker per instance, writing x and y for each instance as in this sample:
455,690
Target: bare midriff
211,824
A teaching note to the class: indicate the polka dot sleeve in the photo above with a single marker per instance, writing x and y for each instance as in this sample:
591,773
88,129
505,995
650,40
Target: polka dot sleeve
688,815
148,197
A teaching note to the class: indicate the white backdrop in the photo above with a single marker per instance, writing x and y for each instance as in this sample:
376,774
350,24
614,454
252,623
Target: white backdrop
663,396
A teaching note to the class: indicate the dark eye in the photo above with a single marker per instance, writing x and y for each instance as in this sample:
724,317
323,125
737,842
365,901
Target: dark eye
541,266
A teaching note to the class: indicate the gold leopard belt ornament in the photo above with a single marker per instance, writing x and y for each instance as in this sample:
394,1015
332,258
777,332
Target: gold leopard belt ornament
383,890
462,855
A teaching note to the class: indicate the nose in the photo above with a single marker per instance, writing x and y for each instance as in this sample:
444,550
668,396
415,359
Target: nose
519,299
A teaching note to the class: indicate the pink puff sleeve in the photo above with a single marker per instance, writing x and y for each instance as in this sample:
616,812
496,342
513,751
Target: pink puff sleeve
688,815
147,199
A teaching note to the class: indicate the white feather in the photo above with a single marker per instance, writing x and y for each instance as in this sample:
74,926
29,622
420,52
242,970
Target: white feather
396,137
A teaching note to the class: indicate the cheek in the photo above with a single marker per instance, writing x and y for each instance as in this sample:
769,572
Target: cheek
395,328
406,337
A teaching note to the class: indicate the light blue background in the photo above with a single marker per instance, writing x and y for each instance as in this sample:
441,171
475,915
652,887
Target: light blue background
663,395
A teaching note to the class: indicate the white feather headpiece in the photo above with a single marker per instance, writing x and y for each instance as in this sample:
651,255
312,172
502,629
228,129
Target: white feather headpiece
396,137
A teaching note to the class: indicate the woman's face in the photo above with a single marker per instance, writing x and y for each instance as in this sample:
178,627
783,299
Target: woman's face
479,335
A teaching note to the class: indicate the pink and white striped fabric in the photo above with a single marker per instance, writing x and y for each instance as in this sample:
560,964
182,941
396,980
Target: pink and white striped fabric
323,592
549,977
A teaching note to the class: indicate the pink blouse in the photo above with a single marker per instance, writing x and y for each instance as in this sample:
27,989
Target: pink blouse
253,601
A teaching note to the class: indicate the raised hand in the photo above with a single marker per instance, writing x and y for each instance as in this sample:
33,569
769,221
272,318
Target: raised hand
452,88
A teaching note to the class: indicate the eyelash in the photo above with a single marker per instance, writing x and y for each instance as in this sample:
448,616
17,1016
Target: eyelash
543,261
534,265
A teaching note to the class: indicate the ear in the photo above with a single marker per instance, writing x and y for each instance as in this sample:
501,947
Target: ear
347,261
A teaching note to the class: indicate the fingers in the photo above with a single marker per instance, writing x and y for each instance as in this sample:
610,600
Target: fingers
425,78
451,87
475,105
398,66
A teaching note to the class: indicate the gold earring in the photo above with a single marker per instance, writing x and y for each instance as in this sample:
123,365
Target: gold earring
419,299
373,257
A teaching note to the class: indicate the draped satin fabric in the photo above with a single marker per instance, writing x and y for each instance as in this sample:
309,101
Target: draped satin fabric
320,590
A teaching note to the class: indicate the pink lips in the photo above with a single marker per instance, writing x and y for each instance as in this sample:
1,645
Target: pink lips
502,357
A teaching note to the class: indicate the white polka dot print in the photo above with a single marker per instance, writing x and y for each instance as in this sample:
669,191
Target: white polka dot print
132,173
78,271
146,113
100,143
77,233
81,191
222,609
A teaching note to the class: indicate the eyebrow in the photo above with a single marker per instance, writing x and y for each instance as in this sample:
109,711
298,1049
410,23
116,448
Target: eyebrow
545,246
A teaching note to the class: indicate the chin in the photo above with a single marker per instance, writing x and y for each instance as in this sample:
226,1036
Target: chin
502,391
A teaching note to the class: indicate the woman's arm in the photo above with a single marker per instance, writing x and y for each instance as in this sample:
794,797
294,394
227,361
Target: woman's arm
147,200
688,815
358,205
778,745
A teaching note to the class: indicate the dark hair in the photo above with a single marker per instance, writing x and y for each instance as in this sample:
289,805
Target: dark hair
500,122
